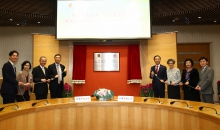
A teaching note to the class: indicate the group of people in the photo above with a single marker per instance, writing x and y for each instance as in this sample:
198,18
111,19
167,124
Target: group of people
18,87
196,84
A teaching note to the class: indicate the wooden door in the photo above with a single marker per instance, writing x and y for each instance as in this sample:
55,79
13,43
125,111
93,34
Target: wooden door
194,51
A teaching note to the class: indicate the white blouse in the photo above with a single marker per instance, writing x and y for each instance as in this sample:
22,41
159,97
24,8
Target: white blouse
173,75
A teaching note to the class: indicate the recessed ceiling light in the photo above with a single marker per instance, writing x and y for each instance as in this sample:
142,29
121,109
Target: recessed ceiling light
38,22
199,17
215,21
17,24
11,19
173,20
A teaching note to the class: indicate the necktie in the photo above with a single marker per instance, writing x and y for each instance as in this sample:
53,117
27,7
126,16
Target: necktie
203,69
59,73
14,69
156,69
43,70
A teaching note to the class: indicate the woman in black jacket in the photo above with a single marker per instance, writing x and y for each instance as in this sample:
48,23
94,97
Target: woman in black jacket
189,80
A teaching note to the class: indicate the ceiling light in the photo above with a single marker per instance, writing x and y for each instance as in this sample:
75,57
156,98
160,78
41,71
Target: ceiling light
173,20
17,24
38,22
215,21
11,19
199,17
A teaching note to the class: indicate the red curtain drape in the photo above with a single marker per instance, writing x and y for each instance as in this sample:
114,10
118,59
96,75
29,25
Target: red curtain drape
134,67
79,64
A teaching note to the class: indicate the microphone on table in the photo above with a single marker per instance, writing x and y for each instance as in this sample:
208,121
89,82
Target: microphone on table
16,108
172,102
33,104
201,108
159,102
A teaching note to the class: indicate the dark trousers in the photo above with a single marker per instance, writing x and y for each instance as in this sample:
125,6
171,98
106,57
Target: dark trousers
24,97
8,98
159,93
191,94
41,96
173,92
57,93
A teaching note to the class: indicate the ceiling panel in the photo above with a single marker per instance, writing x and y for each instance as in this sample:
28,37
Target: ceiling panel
163,12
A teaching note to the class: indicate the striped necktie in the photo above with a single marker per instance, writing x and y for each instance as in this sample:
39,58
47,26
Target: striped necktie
59,73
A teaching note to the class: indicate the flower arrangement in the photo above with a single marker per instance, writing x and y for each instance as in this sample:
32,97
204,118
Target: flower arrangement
103,94
218,83
146,90
67,90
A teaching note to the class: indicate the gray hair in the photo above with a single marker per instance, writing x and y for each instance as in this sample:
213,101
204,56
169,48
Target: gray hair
42,57
170,60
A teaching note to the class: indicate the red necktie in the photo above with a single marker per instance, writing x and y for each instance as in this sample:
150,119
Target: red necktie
156,69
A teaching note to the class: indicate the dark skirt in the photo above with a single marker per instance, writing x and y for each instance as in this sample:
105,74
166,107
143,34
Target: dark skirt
25,97
191,94
173,91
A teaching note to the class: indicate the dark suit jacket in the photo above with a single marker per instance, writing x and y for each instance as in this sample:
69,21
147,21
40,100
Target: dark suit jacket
193,81
38,74
9,84
52,72
162,74
205,80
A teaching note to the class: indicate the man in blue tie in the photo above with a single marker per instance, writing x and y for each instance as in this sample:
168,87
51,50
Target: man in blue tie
9,84
158,75
57,72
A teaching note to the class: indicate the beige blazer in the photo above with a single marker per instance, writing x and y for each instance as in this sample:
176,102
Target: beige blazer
21,77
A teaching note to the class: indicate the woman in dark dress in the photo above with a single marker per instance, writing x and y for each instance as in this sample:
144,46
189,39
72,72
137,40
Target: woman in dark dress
189,80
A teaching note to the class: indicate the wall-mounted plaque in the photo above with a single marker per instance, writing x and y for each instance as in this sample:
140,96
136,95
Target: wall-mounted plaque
106,61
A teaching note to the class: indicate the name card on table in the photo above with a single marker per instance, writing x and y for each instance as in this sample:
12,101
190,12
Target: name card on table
126,98
82,99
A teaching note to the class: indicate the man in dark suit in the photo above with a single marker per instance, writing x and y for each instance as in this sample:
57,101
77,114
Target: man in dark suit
159,75
9,84
40,78
56,71
206,76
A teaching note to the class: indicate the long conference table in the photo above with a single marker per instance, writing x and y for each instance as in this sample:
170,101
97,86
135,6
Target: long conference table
65,114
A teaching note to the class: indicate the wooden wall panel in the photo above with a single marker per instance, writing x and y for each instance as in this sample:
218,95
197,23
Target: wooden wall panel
160,44
44,45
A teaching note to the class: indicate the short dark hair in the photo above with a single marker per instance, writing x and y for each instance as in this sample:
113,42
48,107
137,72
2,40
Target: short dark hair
12,52
157,56
170,60
57,55
188,59
203,58
42,57
24,63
